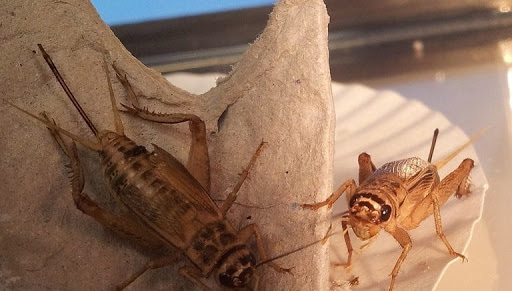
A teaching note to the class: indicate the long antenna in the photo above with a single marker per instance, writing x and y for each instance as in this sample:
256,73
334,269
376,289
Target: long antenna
296,250
450,156
52,66
432,146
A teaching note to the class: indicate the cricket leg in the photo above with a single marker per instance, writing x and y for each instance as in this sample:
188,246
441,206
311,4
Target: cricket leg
350,249
198,159
118,123
456,182
230,199
366,166
463,189
349,186
402,237
151,264
253,230
439,230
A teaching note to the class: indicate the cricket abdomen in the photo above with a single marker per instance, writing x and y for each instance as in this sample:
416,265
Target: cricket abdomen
126,164
138,183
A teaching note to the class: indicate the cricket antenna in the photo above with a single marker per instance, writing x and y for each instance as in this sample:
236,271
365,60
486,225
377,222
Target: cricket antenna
432,146
62,83
296,250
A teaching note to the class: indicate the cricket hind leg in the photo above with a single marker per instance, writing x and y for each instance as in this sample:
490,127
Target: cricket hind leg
125,226
456,181
198,158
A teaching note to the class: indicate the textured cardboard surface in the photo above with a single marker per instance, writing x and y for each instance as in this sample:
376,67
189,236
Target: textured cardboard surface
279,92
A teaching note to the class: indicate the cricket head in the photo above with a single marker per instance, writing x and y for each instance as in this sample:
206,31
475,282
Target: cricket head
236,269
369,212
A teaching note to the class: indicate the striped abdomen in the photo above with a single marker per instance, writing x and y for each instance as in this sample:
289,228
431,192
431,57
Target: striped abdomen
137,181
123,162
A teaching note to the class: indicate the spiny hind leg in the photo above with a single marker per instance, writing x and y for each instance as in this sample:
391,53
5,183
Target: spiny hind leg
123,225
198,159
456,181
366,166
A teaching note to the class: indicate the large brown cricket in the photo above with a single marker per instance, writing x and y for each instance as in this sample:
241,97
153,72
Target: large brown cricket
397,197
166,203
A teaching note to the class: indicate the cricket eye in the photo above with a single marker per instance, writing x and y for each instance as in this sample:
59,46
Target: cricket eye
385,212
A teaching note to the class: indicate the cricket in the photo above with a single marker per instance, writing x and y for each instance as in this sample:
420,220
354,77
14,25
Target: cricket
397,197
163,203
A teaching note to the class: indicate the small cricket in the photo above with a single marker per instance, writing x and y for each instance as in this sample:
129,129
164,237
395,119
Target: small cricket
164,203
397,197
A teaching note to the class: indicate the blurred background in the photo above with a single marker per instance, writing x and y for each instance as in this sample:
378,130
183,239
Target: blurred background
454,56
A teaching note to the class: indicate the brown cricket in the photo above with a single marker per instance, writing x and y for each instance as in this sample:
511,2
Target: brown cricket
397,197
166,204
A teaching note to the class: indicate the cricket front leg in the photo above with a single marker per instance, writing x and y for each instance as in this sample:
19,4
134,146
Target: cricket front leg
253,230
349,186
350,249
403,238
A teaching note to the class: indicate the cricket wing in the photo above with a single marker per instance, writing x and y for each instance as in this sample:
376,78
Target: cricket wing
168,200
419,178
418,187
179,177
